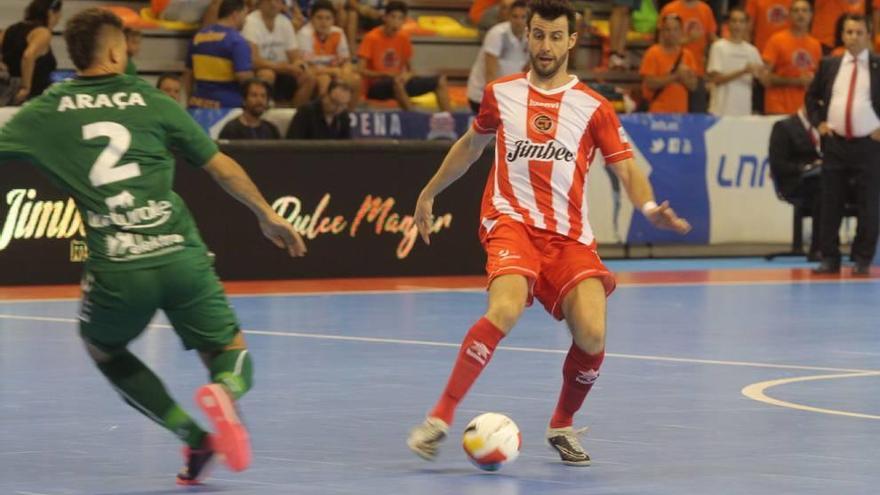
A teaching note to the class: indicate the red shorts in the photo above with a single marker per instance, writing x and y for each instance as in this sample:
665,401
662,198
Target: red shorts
553,263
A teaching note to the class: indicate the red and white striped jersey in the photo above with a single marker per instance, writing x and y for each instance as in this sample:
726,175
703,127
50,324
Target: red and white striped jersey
545,143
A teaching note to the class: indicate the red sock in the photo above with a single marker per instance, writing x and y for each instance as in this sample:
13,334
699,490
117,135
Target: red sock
579,373
475,352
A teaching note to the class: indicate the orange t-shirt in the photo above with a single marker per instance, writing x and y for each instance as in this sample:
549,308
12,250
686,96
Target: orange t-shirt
790,56
390,54
477,9
658,62
697,19
768,18
825,14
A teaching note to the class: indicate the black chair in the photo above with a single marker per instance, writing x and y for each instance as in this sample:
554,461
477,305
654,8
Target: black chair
801,210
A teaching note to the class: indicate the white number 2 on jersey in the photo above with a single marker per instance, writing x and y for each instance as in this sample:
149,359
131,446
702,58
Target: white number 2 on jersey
105,171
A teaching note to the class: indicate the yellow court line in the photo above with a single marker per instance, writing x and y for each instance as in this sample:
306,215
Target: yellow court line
756,391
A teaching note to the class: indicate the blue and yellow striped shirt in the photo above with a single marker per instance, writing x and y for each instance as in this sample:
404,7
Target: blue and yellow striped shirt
216,53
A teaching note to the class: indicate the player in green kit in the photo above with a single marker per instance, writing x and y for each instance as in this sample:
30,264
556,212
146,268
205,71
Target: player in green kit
104,137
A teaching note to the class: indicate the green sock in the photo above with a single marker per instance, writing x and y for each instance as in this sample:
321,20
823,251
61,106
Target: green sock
143,390
235,370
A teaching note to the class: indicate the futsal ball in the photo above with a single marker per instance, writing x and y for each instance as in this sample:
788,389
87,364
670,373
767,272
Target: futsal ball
490,440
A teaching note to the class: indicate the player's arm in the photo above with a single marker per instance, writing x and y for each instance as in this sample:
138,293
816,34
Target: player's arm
235,181
461,156
641,194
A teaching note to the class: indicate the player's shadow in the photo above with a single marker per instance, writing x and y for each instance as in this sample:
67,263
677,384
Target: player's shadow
180,490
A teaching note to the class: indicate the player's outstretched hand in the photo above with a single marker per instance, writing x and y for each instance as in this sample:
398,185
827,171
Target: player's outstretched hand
424,218
281,233
664,217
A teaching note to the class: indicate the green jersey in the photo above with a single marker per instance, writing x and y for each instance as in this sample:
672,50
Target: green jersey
106,141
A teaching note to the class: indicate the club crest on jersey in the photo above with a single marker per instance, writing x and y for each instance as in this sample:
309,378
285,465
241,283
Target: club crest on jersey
551,150
542,123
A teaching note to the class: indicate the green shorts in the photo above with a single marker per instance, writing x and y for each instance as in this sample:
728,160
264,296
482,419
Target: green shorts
118,305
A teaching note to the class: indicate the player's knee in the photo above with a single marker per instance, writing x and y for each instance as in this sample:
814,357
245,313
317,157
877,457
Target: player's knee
589,335
504,313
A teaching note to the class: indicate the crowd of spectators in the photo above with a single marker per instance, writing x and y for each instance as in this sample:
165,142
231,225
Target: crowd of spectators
726,58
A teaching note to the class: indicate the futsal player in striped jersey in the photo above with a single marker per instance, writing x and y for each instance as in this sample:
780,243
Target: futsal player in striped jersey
548,127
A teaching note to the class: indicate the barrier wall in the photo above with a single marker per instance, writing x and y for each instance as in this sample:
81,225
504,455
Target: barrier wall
353,201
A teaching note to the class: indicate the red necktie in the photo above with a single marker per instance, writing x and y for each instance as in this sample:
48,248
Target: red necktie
849,99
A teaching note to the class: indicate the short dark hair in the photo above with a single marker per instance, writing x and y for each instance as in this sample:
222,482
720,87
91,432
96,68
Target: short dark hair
83,34
166,77
551,10
229,7
246,86
396,5
855,18
519,4
38,11
319,5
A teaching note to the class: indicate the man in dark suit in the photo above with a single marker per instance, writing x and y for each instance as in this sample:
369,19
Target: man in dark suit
843,102
796,165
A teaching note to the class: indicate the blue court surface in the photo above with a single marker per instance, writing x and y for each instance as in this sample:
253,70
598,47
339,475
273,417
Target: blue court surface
765,388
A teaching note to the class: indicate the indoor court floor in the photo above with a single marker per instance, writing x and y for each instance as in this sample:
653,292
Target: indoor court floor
722,377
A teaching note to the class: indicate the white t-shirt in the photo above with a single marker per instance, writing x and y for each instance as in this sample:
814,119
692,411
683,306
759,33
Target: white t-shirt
735,97
273,45
330,53
512,54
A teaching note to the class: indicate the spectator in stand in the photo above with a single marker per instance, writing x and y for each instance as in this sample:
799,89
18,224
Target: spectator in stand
733,64
170,85
504,52
250,125
385,55
276,54
326,51
826,15
219,60
792,56
668,70
133,47
26,48
363,15
698,25
768,18
621,10
325,118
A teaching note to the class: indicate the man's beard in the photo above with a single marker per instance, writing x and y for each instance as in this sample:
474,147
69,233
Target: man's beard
256,112
547,74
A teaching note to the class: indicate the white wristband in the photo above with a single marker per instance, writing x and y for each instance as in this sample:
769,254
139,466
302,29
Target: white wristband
650,205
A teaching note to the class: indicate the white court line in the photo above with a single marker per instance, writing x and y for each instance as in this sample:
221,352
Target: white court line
478,290
756,391
432,343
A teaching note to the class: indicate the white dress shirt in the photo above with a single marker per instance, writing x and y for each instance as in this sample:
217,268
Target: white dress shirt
864,119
